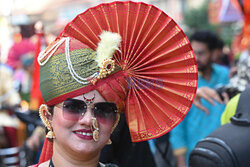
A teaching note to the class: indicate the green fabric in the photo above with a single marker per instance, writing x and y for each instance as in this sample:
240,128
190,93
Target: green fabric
55,77
230,109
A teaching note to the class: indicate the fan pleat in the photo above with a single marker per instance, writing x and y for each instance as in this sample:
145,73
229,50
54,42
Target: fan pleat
81,36
132,28
150,28
135,111
163,114
150,103
164,79
161,35
87,27
98,15
92,21
171,56
171,100
142,18
177,91
177,67
157,51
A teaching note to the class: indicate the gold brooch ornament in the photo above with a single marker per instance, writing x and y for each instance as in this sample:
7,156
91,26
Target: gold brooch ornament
106,67
107,46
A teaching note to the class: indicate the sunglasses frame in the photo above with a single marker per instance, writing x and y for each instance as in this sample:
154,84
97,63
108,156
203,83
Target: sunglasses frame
92,108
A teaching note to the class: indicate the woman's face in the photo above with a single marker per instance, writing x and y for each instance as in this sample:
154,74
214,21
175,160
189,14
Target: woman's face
75,136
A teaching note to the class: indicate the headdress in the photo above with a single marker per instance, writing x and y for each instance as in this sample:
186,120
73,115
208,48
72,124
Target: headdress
150,72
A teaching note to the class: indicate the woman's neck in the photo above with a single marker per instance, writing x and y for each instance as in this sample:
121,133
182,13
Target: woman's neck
64,158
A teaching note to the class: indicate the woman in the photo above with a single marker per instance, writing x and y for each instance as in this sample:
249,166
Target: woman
98,67
79,143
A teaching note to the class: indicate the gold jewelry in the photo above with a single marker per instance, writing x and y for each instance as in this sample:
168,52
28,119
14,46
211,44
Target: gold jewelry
88,100
95,128
114,126
106,67
42,111
109,142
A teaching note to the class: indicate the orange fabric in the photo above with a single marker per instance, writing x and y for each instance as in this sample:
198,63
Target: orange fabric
246,27
21,133
236,4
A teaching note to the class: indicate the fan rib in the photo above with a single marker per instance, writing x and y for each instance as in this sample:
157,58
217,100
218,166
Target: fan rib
168,81
179,94
156,104
74,29
168,41
147,33
106,19
126,32
140,112
177,63
90,29
141,27
99,26
174,94
178,107
133,31
182,52
166,24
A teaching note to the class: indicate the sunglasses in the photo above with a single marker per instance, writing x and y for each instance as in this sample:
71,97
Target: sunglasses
74,110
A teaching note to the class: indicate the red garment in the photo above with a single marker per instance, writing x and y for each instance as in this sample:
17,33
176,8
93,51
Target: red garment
18,50
35,94
11,135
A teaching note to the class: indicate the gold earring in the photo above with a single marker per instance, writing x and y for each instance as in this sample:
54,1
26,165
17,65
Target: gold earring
114,126
42,110
96,129
109,142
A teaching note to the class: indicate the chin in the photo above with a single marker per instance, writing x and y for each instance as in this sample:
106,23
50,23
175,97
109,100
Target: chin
87,148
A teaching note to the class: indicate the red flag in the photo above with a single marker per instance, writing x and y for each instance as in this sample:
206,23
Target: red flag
35,95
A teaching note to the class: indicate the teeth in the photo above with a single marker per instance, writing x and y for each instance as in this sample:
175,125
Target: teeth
83,133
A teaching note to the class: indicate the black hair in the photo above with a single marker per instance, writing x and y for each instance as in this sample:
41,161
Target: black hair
207,37
51,109
220,44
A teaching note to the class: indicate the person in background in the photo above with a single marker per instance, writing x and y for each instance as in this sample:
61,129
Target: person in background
198,124
9,98
219,55
21,46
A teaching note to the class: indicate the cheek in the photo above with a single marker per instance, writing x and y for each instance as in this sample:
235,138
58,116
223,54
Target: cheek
106,129
105,121
59,122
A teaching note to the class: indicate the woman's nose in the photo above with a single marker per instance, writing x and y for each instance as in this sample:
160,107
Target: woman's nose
86,118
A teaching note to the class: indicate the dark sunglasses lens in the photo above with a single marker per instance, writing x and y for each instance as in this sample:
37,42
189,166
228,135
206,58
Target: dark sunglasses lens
105,112
73,109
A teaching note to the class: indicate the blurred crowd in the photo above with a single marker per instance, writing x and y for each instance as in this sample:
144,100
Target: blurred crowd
222,76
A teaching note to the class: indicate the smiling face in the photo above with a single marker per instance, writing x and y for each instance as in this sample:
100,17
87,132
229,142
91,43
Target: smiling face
75,136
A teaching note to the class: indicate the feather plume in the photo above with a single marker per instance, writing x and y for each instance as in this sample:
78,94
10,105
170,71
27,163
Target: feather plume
108,44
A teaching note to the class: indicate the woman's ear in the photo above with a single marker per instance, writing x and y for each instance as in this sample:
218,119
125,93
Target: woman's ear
116,121
46,117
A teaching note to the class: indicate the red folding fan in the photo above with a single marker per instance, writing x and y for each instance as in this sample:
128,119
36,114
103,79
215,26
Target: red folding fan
156,55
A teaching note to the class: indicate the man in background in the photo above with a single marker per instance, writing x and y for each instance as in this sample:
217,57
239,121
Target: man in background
198,124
